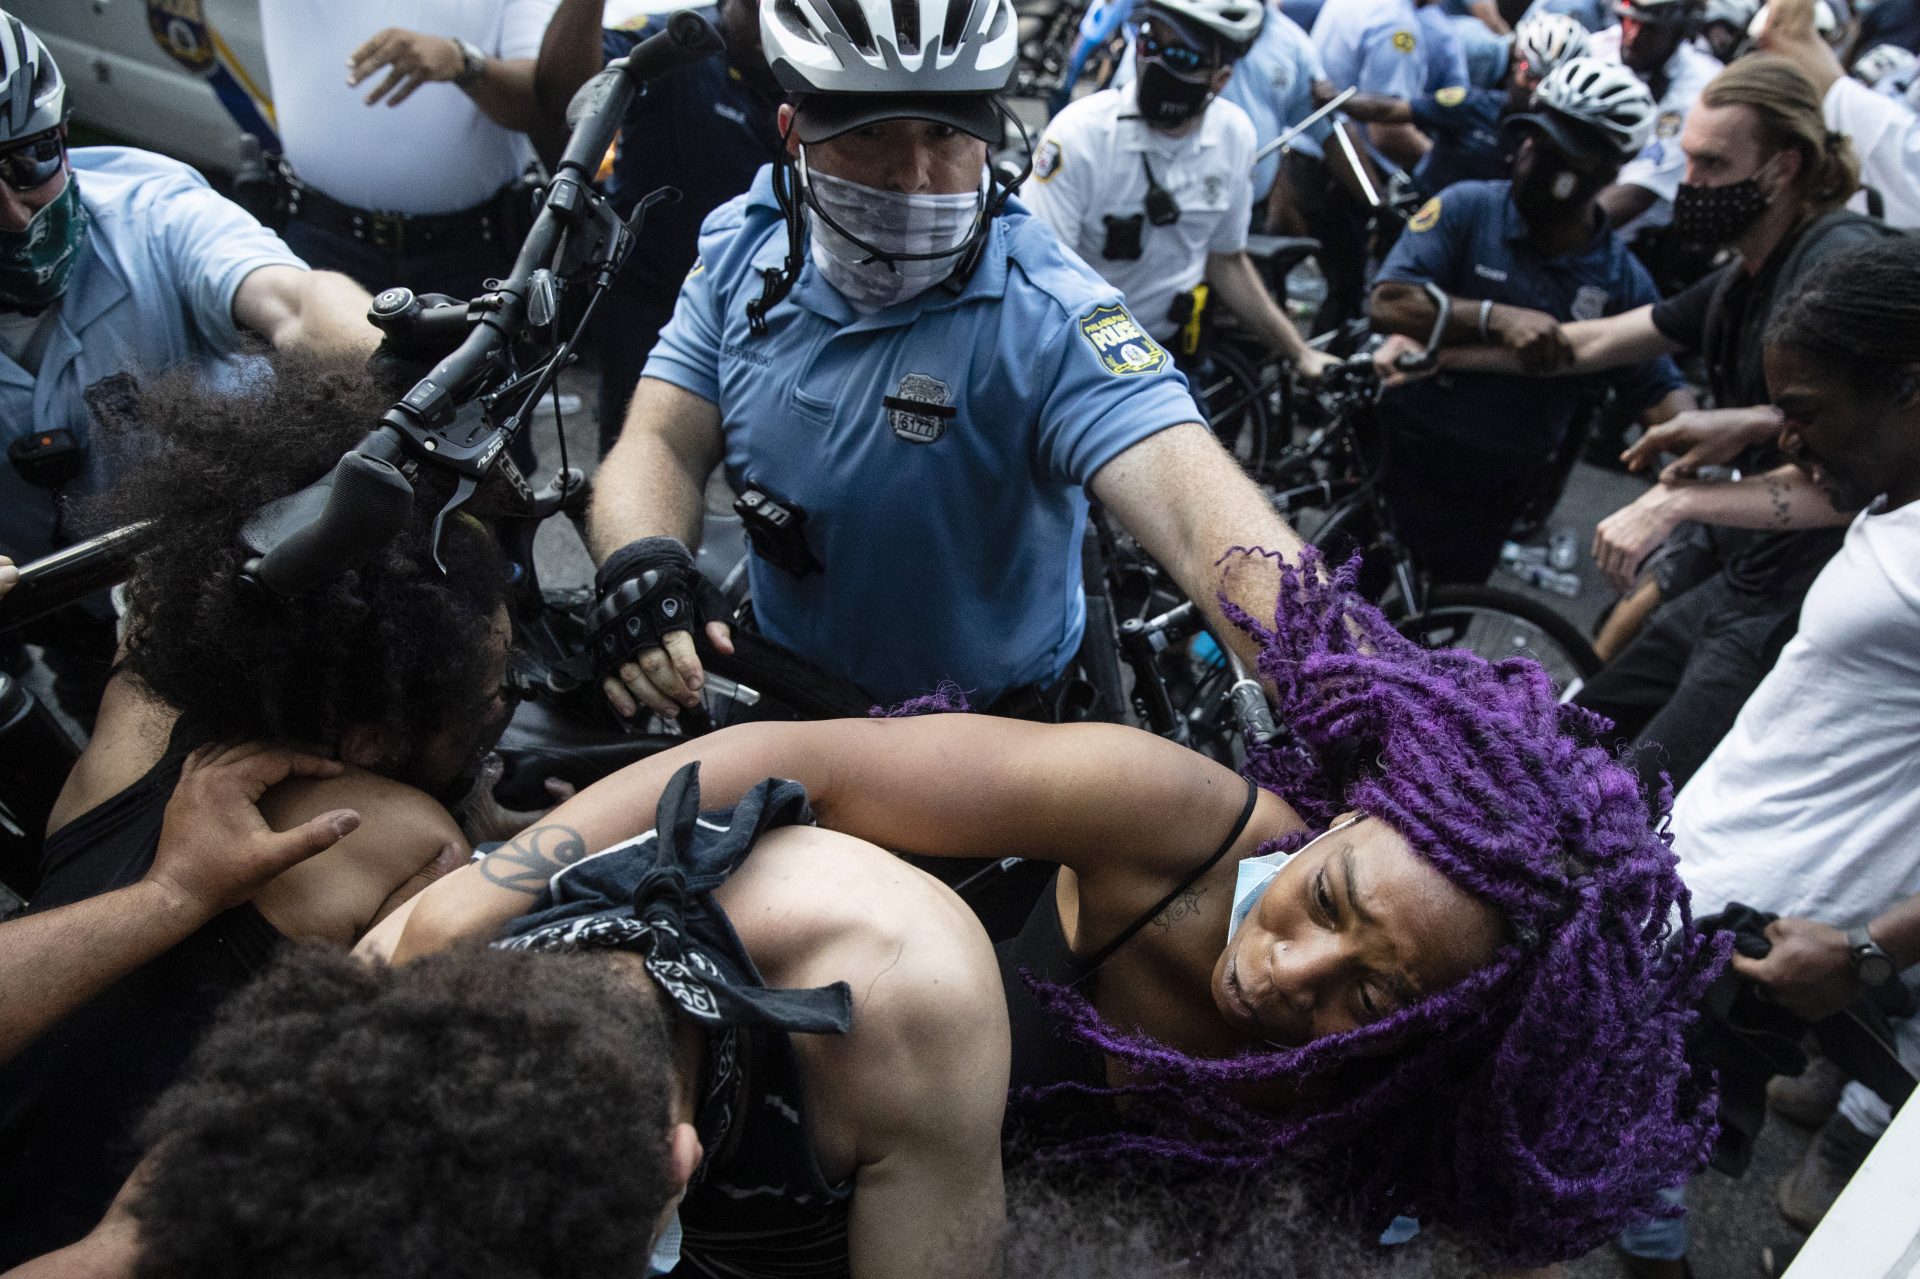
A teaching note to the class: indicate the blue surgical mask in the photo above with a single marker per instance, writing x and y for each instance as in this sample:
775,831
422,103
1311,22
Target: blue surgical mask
1255,873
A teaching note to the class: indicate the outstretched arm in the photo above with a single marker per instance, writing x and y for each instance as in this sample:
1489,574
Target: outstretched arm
215,852
1188,502
1105,800
1591,345
321,312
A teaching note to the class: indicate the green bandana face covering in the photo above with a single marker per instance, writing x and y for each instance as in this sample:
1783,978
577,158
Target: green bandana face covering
35,263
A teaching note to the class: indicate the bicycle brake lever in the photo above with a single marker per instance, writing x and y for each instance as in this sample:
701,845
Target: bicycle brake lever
462,491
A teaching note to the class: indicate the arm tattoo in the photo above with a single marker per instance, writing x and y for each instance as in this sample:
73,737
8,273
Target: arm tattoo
1777,493
534,856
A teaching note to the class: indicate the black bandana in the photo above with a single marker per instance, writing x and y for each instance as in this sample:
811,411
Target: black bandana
653,924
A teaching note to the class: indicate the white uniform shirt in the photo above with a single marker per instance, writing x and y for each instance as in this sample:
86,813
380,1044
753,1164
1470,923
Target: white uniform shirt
1092,164
1661,165
1886,137
1811,805
434,153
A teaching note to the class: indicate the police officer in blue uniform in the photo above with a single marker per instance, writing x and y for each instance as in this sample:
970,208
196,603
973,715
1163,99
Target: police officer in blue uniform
1468,450
115,265
1464,120
703,129
912,386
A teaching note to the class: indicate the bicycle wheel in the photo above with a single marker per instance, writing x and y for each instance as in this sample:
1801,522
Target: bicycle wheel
1496,624
1230,387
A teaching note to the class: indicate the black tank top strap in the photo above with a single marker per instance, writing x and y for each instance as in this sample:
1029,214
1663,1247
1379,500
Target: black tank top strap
1106,952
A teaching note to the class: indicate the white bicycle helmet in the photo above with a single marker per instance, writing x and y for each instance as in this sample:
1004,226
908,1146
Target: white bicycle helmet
1235,22
1605,97
1545,40
863,56
33,97
1882,62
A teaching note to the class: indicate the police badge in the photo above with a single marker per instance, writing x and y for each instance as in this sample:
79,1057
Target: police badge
919,412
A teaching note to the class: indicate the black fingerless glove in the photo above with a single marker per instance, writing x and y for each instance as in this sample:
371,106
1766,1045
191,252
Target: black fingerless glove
647,590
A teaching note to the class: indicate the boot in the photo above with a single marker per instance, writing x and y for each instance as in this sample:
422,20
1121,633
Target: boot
1837,1152
1808,1098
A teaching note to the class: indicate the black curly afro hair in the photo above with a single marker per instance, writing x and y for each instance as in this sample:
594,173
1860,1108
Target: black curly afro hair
479,1113
395,647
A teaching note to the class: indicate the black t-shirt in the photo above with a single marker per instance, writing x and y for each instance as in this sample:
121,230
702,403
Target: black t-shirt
70,1100
1724,318
704,129
1891,22
1734,367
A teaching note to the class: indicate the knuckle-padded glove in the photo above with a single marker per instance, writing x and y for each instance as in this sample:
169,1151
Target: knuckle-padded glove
647,590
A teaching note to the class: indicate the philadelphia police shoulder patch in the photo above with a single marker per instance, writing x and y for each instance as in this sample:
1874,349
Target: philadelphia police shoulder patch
1451,96
1424,218
1122,345
1403,41
1668,125
1046,160
919,411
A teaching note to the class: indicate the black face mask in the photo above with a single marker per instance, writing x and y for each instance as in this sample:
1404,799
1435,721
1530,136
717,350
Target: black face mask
1167,100
1546,192
1718,215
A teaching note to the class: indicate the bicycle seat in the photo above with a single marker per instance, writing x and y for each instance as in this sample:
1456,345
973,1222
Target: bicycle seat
1281,253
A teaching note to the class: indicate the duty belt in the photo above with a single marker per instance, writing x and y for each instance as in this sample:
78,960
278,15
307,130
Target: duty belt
484,223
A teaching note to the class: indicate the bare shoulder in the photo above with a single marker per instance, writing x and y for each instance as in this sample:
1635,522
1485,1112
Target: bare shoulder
813,905
929,1043
129,737
334,896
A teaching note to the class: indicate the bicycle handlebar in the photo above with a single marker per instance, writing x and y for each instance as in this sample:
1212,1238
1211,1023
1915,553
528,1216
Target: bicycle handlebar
343,520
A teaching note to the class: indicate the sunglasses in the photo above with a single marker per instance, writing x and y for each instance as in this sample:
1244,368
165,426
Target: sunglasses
33,163
1181,59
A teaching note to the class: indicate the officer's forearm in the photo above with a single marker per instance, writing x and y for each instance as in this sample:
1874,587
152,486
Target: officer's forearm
1897,931
652,481
1186,500
1377,108
505,92
1400,306
570,55
1239,286
1403,144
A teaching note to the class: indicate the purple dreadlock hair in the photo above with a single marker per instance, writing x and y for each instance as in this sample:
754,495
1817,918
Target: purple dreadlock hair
1539,1105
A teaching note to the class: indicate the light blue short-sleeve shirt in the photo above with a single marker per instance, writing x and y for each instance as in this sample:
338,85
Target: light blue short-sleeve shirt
939,447
152,288
1377,46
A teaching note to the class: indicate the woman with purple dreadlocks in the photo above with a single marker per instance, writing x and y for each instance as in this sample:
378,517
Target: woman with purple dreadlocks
1436,943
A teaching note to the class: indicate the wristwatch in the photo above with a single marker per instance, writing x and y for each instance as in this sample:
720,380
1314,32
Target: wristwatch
473,63
1873,966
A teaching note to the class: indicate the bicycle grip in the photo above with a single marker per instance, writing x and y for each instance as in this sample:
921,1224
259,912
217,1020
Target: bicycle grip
367,504
1251,712
687,37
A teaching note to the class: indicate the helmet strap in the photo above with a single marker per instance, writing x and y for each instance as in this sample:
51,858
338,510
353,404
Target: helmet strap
775,284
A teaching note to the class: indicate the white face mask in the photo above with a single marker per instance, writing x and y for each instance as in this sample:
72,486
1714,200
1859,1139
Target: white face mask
1257,872
891,223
